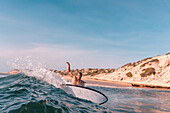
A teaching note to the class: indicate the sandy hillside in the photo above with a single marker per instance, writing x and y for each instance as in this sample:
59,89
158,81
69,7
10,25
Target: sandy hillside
152,71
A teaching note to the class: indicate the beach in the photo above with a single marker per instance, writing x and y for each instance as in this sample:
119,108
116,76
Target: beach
90,81
106,83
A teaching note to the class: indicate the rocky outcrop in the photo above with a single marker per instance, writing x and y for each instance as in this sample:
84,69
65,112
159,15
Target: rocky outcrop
153,71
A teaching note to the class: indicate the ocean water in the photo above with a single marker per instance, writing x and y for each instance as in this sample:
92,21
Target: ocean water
136,100
35,93
38,90
23,94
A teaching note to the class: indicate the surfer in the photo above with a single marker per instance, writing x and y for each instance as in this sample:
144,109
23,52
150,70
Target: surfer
76,80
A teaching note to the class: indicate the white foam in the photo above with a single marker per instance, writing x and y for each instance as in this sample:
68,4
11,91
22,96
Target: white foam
46,75
32,66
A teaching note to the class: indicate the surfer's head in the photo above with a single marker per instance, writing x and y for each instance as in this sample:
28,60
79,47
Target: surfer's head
79,75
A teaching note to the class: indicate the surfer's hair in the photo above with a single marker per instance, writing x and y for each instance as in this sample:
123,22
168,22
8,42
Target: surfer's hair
80,74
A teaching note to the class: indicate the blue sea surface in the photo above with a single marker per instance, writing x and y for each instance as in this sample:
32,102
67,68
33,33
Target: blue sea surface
136,100
24,94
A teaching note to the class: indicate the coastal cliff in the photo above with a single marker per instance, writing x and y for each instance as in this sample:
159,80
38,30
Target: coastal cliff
153,71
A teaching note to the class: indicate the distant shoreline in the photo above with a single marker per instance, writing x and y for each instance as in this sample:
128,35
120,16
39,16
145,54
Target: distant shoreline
152,72
105,83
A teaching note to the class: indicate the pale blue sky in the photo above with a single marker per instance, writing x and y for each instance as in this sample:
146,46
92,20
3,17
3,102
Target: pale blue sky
88,33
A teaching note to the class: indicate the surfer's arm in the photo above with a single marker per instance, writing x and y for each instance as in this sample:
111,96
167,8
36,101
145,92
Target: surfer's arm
70,74
68,70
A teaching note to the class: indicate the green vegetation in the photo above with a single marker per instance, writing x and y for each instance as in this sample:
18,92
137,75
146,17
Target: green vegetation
85,72
137,63
146,59
153,60
129,64
143,65
101,71
143,75
147,72
129,74
88,73
167,53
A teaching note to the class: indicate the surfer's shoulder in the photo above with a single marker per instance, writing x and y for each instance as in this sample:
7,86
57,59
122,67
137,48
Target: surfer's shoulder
74,77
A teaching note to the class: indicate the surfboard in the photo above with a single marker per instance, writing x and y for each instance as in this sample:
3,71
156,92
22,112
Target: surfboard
86,93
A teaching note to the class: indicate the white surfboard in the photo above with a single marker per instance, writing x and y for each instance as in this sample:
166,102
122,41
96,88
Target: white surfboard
86,93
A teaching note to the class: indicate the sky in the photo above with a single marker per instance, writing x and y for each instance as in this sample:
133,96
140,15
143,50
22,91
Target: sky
87,33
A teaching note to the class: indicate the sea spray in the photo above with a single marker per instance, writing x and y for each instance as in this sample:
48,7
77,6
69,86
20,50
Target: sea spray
26,62
45,75
33,67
